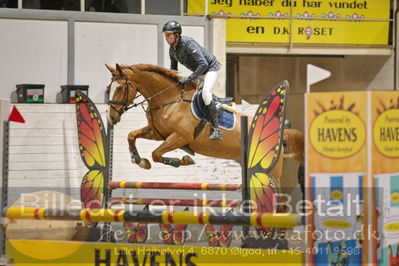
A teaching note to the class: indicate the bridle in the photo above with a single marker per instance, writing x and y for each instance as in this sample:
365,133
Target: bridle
125,104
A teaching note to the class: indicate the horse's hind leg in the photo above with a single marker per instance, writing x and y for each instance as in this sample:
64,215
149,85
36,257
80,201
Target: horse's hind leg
173,142
146,133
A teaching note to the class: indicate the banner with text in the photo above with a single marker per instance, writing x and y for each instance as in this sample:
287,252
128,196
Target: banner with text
303,30
385,170
40,252
352,156
337,175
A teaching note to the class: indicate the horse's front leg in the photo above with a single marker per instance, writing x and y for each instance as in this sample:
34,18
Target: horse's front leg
171,143
145,133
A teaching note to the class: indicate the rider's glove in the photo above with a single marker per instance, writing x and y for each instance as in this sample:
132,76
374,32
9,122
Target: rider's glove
183,80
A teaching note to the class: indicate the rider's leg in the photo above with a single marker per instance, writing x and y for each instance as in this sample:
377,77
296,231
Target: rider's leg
210,80
209,84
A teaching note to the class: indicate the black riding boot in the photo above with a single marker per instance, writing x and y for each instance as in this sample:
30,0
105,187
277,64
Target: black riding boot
213,111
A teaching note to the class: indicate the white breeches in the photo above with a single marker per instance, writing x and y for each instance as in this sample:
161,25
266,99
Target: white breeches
209,83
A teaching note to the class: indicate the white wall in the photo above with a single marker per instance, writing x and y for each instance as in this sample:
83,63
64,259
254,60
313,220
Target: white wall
97,44
383,80
33,51
218,44
36,51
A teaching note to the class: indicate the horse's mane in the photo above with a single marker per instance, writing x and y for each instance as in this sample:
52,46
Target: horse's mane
171,74
157,69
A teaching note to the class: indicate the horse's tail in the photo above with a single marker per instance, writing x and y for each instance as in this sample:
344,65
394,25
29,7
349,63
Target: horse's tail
295,145
294,142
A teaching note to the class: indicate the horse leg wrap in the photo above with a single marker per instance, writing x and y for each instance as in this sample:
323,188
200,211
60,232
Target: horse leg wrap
135,155
171,161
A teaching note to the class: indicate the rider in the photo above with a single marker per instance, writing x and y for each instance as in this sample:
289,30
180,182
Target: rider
189,53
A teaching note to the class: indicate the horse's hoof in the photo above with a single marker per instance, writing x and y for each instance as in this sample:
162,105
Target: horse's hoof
144,163
186,160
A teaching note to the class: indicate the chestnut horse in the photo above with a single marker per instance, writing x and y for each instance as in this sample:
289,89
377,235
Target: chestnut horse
170,118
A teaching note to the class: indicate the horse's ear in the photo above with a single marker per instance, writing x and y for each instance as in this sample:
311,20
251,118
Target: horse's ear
111,69
120,70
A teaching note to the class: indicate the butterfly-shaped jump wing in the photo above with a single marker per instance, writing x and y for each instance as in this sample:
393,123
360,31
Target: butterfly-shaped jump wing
92,138
266,133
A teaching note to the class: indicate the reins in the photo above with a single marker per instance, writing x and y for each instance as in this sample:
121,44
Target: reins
171,102
149,109
126,105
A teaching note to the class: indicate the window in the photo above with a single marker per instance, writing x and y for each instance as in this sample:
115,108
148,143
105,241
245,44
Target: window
9,3
152,7
162,7
114,6
52,4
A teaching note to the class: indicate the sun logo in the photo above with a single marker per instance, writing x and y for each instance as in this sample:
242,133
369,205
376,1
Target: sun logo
337,131
336,106
393,104
386,130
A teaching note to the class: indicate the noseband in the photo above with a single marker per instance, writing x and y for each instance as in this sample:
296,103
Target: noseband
125,103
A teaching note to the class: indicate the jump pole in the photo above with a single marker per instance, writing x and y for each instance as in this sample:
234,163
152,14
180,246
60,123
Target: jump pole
244,173
177,186
176,202
166,217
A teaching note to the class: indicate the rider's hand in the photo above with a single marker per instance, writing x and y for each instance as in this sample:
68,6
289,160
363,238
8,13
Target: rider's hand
183,80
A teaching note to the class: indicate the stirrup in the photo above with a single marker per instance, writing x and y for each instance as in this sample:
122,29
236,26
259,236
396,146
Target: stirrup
216,134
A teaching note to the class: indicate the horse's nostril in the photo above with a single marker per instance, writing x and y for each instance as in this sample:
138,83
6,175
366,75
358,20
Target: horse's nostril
114,119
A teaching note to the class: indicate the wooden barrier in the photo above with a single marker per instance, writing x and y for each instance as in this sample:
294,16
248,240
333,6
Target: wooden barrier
281,220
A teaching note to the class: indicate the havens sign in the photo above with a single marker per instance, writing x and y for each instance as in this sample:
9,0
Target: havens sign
386,133
337,133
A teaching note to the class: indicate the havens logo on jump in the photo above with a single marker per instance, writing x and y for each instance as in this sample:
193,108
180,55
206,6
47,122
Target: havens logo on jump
392,227
386,133
337,133
336,194
337,224
395,197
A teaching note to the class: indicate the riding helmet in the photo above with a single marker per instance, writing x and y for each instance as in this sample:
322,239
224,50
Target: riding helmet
172,26
287,123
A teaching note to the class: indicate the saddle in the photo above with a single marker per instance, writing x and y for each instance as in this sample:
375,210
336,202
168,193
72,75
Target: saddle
226,112
200,105
227,118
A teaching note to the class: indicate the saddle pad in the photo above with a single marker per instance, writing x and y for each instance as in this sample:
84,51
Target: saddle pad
227,120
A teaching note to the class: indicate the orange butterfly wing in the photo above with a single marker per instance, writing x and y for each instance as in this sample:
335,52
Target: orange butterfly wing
264,150
92,137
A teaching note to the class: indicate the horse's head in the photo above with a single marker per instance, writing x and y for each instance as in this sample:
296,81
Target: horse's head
121,91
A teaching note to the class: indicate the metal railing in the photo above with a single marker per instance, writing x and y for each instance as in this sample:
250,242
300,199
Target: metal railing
392,20
142,6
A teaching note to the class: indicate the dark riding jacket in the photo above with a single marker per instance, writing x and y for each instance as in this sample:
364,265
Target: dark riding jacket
193,56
